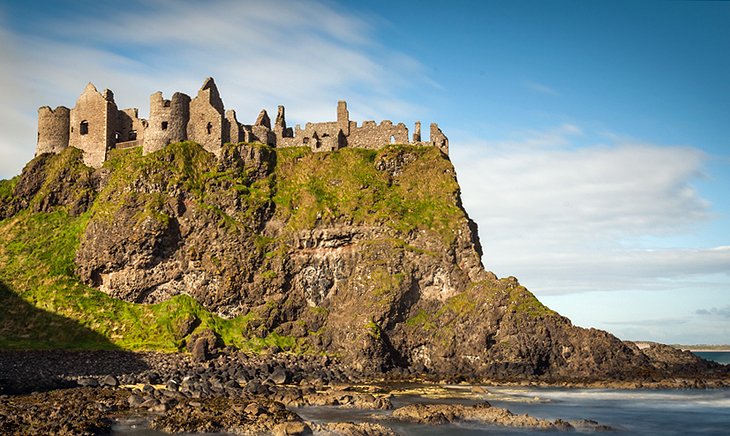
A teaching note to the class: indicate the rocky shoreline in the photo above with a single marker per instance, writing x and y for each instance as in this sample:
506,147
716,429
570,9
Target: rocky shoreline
65,392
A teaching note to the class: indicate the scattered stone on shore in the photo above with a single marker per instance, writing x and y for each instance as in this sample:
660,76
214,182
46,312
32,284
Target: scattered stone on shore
437,414
590,425
79,411
239,416
348,399
351,429
85,392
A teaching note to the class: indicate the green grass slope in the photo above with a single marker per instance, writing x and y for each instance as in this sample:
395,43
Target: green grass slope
45,305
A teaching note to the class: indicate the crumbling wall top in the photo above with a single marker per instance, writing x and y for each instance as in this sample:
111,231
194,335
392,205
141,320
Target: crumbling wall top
209,92
95,125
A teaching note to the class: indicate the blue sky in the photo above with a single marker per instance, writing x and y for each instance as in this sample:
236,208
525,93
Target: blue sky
591,139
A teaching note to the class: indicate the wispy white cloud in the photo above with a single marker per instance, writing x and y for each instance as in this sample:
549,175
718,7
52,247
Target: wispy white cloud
306,56
569,219
539,88
662,322
722,312
525,141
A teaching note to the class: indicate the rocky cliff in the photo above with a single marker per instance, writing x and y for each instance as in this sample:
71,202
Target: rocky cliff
363,254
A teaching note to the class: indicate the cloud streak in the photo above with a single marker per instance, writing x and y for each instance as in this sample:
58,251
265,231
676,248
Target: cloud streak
723,312
540,88
571,219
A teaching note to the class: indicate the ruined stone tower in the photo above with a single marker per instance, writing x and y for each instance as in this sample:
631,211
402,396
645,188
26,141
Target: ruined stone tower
95,125
343,117
206,118
92,123
168,121
53,129
438,139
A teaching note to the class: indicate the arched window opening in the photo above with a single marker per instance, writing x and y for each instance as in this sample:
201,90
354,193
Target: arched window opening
392,139
209,128
84,127
164,125
305,140
117,136
132,135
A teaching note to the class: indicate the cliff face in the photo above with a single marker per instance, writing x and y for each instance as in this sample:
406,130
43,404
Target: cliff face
364,254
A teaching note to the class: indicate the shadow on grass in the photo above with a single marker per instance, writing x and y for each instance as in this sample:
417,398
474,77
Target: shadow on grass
40,350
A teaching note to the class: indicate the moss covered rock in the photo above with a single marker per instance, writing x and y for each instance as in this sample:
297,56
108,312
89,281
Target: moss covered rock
367,255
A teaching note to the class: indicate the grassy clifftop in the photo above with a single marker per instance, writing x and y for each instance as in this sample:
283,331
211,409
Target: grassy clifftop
363,254
45,305
403,187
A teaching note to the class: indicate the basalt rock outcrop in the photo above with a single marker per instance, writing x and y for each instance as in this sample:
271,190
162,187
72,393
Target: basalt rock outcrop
363,254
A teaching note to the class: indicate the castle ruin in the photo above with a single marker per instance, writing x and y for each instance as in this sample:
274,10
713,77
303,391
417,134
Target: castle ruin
96,126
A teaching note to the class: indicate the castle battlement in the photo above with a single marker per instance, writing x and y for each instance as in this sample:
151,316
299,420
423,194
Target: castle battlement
96,126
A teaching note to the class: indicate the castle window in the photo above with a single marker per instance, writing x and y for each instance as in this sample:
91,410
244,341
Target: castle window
392,139
164,125
209,128
84,127
132,135
166,103
305,140
117,136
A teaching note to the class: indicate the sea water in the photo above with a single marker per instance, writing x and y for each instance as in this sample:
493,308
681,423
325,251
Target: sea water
630,412
716,356
649,412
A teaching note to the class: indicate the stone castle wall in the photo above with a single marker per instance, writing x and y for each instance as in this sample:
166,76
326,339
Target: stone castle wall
95,125
53,129
235,129
206,118
92,125
371,135
438,139
129,126
168,121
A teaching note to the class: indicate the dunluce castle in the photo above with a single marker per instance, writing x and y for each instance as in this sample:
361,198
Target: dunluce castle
96,126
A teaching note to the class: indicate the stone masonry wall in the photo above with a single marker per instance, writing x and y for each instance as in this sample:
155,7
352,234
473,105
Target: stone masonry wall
95,126
129,127
53,128
235,129
168,121
438,139
334,135
370,135
206,118
90,122
317,136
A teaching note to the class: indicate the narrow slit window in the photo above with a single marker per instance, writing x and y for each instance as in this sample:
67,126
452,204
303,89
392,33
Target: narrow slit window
209,128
